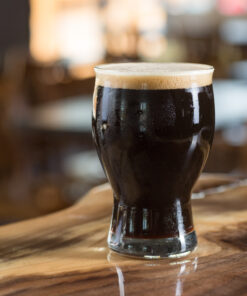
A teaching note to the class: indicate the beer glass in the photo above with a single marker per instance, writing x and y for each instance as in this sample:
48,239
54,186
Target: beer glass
153,127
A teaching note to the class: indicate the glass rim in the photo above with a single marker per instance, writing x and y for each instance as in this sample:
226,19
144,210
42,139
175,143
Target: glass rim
182,69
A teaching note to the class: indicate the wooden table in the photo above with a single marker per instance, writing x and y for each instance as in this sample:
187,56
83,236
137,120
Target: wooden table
66,253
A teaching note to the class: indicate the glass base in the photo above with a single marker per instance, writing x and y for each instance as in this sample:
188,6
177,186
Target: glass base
173,247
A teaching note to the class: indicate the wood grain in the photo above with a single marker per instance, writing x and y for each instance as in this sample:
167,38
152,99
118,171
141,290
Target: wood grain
66,253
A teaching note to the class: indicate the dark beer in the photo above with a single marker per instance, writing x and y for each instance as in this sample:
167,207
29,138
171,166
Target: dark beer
153,144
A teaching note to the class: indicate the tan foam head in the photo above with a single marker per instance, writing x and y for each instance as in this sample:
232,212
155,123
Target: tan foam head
154,75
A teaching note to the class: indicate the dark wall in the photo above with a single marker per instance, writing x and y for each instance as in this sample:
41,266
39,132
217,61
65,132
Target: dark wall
14,25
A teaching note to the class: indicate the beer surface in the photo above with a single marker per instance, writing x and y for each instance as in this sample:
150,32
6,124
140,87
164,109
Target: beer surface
153,75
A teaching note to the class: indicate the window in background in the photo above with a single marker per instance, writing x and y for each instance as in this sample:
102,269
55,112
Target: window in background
135,29
179,7
66,29
232,7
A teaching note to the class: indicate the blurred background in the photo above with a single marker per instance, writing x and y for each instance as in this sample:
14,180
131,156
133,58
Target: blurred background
48,49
